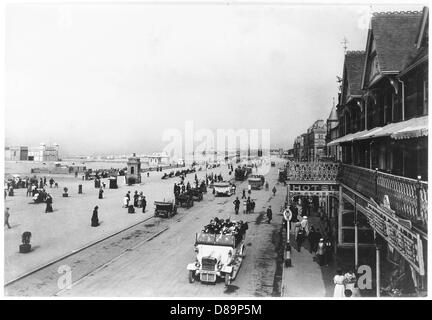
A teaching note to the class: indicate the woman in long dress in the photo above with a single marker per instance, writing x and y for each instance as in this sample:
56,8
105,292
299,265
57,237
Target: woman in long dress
95,217
339,290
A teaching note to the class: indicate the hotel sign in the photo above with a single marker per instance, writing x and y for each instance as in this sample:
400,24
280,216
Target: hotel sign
311,189
396,234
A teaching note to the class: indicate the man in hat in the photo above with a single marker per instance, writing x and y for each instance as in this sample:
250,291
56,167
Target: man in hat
236,205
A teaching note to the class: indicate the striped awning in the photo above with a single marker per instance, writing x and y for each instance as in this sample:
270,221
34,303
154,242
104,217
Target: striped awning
417,128
412,128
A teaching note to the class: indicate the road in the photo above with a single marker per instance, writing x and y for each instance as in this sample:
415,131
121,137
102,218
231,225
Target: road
149,260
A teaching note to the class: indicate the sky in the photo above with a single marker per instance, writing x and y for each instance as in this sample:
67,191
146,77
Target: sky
112,78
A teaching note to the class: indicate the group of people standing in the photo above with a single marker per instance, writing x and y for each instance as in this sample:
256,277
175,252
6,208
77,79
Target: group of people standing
248,205
319,244
137,201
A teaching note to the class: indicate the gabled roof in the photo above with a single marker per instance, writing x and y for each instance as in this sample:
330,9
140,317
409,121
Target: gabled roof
422,47
353,69
394,34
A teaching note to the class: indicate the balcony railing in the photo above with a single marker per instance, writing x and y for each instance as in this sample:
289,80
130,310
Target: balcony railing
408,197
312,171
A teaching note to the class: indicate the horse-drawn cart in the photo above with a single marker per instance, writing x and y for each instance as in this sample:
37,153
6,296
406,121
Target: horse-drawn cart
197,194
184,199
165,209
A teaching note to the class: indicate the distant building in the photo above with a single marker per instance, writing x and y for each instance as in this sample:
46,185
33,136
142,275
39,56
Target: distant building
44,153
157,159
16,153
316,141
299,148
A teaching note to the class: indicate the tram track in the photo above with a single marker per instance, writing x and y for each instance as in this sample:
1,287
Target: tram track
82,262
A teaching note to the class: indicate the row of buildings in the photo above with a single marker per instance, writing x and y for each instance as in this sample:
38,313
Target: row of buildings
381,116
311,146
40,153
377,134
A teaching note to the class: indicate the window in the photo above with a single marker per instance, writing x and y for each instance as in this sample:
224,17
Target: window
132,170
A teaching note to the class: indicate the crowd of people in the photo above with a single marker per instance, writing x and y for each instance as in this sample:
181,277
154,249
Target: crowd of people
227,226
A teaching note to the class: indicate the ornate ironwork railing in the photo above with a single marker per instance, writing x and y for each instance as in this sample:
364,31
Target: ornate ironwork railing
408,197
312,171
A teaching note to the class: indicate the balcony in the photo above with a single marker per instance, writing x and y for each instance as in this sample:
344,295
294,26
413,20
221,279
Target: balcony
312,171
408,197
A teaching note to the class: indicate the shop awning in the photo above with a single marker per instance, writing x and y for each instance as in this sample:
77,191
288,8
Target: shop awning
418,127
412,128
340,140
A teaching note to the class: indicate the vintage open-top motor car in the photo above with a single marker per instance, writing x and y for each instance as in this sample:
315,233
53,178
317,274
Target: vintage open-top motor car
217,256
165,209
223,188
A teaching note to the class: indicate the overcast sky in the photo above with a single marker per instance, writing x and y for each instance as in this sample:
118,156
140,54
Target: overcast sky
110,78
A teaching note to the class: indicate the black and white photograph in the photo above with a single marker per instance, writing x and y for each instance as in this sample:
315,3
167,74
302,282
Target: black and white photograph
215,150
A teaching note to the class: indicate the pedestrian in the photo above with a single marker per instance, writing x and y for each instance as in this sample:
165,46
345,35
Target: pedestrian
6,218
236,205
248,205
339,290
266,186
269,214
312,240
103,185
321,252
95,217
144,204
44,181
244,206
300,236
48,201
234,188
252,206
244,194
305,225
135,199
29,191
274,191
55,185
148,174
125,201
